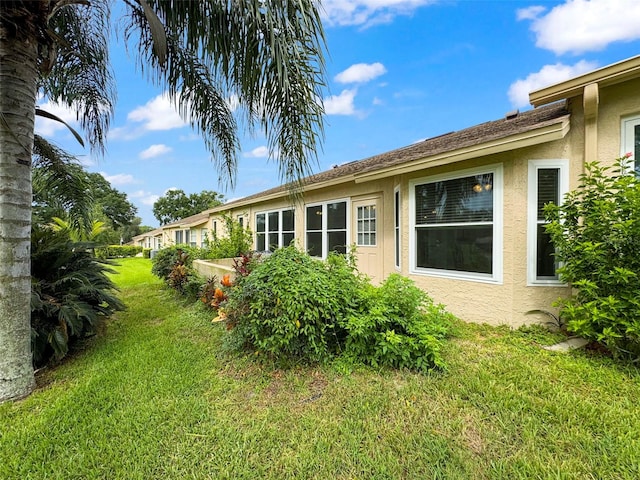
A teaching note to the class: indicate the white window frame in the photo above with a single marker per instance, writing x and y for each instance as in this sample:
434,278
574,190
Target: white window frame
280,231
204,233
532,215
397,228
497,256
325,243
627,133
373,207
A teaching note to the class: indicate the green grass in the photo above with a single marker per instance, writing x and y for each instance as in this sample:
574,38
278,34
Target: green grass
154,397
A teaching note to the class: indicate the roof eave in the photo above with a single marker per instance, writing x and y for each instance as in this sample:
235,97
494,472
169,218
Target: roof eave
610,75
548,133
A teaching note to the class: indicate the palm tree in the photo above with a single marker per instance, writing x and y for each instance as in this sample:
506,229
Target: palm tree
267,54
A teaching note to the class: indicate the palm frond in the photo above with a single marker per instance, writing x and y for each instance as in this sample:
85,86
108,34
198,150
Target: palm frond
267,53
81,77
60,184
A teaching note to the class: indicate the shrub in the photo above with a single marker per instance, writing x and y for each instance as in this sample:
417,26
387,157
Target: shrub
146,253
70,293
237,241
118,251
291,305
402,327
165,259
596,233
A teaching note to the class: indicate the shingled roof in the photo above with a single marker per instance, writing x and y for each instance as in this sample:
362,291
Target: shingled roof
476,135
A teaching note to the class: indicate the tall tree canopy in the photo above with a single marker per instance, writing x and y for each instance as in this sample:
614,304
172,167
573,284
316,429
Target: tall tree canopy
265,53
110,203
176,205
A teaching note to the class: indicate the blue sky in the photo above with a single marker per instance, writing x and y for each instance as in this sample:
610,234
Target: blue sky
399,71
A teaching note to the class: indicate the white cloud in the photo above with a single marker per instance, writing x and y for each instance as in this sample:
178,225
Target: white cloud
189,138
548,75
361,73
258,152
154,151
47,127
530,13
146,198
158,113
340,104
149,200
578,26
118,179
368,12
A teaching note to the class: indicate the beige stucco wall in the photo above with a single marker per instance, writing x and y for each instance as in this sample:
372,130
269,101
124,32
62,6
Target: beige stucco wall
217,268
616,103
495,303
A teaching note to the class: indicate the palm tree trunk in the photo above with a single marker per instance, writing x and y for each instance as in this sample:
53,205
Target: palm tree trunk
18,75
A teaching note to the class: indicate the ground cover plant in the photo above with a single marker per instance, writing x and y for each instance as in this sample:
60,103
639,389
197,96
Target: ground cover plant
156,397
595,232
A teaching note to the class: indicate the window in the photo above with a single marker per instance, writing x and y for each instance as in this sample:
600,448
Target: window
457,224
548,182
204,237
214,228
366,226
274,229
241,220
631,141
396,225
326,228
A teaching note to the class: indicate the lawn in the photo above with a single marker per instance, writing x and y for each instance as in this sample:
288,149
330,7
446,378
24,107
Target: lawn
154,396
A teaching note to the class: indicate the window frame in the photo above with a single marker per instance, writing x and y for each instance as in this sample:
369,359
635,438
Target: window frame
369,232
532,215
280,232
627,140
324,231
496,277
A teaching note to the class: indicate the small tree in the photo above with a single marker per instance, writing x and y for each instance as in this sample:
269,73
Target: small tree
236,242
596,233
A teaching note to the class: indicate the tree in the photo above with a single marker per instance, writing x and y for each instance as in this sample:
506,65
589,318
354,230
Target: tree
110,203
266,53
176,205
133,229
60,187
63,189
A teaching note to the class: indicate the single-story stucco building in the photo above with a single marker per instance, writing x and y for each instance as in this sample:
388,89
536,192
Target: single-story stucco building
461,213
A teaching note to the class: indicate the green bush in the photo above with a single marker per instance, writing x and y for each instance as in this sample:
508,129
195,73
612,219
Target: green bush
293,306
118,251
175,266
70,293
146,253
596,233
237,241
166,258
401,327
289,305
